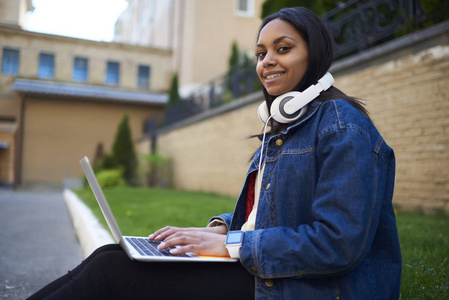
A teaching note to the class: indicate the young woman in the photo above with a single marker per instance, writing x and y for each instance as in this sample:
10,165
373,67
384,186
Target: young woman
314,219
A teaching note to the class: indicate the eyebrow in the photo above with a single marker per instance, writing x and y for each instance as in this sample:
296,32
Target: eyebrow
277,40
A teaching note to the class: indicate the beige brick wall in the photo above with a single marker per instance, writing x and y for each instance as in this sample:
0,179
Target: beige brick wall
213,155
408,101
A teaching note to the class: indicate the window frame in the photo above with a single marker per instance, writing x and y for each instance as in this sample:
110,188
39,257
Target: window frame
10,61
143,80
46,67
80,74
249,12
112,77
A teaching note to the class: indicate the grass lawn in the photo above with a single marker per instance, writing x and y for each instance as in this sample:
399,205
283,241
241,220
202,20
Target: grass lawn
137,215
425,256
424,239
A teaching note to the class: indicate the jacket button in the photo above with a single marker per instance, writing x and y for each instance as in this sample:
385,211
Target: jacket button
254,270
268,187
269,283
279,142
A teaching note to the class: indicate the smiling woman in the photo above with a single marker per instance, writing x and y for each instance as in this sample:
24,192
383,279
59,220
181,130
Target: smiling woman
85,19
282,57
314,219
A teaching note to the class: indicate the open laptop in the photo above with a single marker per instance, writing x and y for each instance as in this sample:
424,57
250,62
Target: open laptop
138,248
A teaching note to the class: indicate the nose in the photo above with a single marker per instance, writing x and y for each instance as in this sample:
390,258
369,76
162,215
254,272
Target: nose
269,60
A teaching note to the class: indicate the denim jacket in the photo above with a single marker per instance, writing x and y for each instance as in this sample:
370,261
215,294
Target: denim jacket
325,226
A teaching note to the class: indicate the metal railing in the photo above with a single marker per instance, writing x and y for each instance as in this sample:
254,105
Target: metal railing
358,25
238,82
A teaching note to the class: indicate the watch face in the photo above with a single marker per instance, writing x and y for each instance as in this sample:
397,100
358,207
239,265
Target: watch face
234,237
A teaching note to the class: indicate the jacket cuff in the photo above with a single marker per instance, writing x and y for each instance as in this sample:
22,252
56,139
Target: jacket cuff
216,222
249,252
225,218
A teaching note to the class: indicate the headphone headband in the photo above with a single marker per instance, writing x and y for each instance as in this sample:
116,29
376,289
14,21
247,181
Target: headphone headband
291,106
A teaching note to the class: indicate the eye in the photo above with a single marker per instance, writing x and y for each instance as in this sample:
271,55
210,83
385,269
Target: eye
284,49
260,54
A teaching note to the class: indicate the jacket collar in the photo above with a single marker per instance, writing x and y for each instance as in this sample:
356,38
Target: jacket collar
311,110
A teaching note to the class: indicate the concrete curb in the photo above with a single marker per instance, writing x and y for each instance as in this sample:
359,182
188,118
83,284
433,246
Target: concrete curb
91,234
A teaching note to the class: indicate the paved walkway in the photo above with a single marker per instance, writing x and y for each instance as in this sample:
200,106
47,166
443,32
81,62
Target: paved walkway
37,241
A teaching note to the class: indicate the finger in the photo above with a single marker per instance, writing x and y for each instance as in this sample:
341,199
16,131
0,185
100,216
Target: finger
172,231
169,231
184,249
180,238
181,241
156,234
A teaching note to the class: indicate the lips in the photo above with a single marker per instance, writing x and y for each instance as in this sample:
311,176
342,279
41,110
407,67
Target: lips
273,75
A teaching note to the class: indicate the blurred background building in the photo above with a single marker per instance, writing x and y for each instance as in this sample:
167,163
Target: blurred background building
62,98
200,33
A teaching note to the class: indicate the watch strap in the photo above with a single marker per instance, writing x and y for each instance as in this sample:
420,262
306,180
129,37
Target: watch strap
234,250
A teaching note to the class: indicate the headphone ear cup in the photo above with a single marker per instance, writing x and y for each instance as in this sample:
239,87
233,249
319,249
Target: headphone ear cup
263,112
280,105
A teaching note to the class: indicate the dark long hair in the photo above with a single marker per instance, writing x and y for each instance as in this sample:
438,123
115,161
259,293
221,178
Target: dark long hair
321,55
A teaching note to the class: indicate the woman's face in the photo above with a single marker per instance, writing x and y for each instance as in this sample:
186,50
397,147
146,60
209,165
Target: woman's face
282,57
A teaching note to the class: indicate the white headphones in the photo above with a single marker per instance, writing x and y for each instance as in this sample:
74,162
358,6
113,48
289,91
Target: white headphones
291,106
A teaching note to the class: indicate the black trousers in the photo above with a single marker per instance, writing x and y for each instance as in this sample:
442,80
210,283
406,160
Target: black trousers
108,273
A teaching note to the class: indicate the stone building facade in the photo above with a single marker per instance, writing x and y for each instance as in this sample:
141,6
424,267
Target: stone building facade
199,32
62,98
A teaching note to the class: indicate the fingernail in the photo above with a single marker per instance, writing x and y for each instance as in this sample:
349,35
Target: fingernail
161,245
151,236
172,251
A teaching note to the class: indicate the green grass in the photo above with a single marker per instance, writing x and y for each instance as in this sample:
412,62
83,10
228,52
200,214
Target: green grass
141,211
425,256
424,239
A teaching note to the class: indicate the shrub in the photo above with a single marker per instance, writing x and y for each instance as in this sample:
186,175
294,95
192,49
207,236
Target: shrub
173,95
123,154
110,178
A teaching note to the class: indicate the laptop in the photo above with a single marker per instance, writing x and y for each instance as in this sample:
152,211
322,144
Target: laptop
138,248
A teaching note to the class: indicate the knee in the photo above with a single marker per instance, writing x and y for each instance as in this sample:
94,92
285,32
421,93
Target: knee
107,257
106,248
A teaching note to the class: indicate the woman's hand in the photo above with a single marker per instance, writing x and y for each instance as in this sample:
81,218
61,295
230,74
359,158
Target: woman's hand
202,241
167,231
198,242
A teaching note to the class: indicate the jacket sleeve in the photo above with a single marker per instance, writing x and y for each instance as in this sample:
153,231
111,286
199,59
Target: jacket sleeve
224,218
345,214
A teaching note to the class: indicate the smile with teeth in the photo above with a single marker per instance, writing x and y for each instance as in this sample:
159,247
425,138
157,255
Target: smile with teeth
272,76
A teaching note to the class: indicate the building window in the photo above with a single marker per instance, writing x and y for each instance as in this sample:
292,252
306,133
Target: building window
143,77
112,73
80,69
46,66
244,8
10,61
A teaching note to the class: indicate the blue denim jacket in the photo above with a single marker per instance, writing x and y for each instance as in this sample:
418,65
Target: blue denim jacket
325,226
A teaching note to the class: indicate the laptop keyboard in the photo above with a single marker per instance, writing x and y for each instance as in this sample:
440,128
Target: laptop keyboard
149,247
